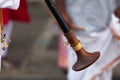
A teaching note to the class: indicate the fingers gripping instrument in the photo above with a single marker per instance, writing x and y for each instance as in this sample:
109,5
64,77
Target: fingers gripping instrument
84,58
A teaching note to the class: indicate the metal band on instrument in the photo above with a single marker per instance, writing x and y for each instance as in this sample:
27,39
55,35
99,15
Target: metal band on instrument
77,47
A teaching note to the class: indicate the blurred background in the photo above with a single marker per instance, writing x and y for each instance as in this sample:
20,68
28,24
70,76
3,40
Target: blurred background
34,50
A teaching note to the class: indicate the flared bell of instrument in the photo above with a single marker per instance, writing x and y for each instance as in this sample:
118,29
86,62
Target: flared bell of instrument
85,59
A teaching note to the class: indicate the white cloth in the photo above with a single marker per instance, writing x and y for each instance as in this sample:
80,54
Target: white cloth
109,49
94,16
12,4
8,30
116,24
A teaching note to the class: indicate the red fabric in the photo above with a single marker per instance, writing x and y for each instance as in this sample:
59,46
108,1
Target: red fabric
18,15
6,16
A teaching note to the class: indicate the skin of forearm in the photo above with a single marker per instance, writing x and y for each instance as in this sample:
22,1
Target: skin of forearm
117,12
61,5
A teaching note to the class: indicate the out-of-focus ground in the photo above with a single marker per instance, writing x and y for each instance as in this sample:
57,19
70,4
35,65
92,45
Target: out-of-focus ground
34,49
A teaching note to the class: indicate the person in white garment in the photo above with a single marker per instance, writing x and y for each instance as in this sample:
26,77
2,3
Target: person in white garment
11,4
90,21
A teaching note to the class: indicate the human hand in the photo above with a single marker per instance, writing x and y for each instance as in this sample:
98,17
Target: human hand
117,12
116,36
70,23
